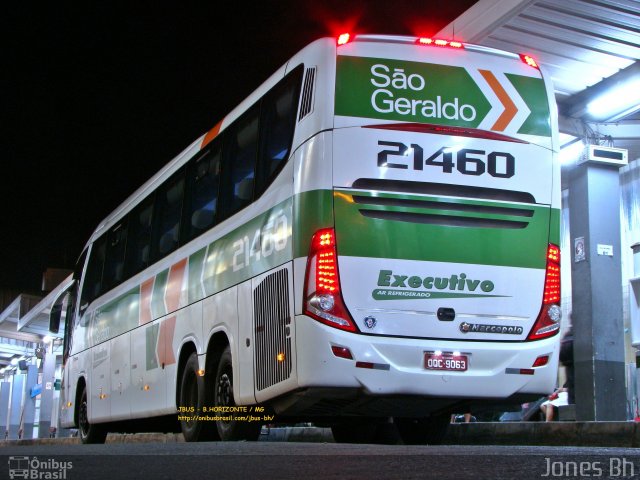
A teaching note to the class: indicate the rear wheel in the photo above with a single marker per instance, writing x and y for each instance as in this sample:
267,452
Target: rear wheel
89,433
192,401
232,428
419,431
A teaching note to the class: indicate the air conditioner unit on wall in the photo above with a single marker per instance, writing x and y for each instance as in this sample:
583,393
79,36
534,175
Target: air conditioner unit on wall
607,155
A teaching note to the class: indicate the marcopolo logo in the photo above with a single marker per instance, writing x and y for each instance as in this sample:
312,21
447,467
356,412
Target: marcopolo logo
481,328
414,287
389,96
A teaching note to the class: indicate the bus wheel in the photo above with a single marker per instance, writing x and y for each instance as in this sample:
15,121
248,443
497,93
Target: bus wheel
88,433
232,429
419,431
192,392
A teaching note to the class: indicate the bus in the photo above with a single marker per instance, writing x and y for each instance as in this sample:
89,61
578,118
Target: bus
368,242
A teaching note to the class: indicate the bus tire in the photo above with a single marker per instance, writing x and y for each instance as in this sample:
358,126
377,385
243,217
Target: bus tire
421,431
88,433
192,401
233,429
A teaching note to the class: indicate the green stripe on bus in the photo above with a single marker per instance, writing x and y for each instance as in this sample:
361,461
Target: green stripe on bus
534,94
359,235
158,308
116,317
151,337
259,245
312,211
196,267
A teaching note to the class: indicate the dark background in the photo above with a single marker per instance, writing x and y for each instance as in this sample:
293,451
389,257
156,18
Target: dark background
98,97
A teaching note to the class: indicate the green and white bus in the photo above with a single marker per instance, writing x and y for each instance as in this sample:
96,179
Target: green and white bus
370,237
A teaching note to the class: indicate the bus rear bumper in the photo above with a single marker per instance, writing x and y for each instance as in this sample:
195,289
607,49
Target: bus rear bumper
392,366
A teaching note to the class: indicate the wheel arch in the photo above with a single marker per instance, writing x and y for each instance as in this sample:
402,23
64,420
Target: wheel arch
217,343
186,350
80,386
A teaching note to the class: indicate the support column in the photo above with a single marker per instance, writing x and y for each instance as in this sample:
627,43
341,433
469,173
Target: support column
16,405
5,394
598,329
46,397
29,402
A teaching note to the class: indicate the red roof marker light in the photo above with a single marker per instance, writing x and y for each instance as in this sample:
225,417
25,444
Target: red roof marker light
529,60
344,38
438,42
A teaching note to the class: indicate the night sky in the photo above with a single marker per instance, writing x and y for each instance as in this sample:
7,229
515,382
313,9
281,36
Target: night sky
97,98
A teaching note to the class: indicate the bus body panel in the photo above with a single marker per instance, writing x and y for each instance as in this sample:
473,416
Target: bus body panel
98,390
275,355
400,365
442,176
122,349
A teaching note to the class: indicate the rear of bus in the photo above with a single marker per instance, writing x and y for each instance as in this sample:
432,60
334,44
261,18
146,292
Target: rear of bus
436,282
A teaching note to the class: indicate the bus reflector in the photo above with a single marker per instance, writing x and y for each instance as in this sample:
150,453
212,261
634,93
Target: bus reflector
541,361
528,59
322,297
342,352
344,38
438,42
548,322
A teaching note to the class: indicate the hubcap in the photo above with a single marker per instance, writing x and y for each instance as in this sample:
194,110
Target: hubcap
224,392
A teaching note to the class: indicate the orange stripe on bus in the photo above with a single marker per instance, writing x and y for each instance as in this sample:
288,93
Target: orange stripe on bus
165,342
174,286
510,109
146,289
211,134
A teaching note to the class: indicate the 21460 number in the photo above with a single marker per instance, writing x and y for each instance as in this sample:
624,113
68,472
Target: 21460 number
468,161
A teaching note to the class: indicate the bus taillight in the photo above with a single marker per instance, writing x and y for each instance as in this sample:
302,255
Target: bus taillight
548,322
322,297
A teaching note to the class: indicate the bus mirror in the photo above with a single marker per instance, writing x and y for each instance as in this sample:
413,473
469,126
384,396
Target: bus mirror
54,317
56,308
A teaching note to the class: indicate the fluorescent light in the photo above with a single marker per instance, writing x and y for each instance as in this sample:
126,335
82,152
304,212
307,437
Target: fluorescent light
569,152
616,102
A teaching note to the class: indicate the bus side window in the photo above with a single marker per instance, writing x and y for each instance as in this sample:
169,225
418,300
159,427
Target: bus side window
92,286
165,235
277,123
114,261
201,200
240,151
138,248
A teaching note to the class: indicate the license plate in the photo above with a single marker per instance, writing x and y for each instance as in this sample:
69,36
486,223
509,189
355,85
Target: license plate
446,362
